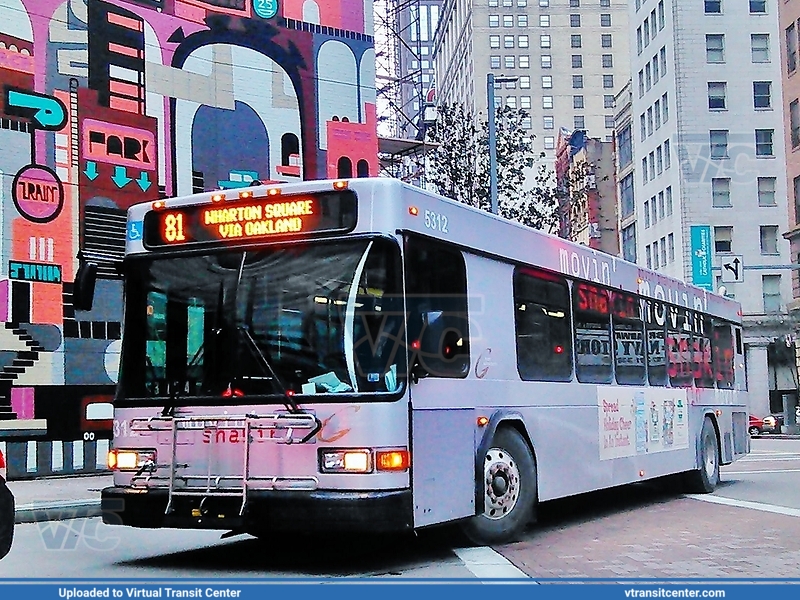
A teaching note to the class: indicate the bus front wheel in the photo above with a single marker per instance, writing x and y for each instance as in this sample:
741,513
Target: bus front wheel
509,490
705,478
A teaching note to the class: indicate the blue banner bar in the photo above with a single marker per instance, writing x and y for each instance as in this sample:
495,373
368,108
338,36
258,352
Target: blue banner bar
366,589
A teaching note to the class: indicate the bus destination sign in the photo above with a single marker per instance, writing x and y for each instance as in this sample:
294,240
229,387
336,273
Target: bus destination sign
255,219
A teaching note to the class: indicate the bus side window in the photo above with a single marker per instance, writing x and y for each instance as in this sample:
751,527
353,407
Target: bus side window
655,323
592,312
679,346
541,322
703,353
628,339
722,355
436,292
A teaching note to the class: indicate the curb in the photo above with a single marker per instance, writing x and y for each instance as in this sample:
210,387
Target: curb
39,512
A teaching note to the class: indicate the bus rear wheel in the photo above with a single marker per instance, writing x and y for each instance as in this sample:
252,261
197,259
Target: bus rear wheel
508,485
705,478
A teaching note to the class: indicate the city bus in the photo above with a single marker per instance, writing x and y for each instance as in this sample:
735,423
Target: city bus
363,355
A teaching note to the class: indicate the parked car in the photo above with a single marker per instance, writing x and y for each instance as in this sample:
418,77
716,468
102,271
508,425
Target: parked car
756,425
772,423
6,511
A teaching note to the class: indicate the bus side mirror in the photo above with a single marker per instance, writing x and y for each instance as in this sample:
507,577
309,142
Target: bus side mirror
83,288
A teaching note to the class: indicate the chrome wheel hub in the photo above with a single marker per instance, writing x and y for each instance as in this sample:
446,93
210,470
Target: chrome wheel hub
501,483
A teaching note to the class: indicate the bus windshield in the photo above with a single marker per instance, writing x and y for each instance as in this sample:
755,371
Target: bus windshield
316,319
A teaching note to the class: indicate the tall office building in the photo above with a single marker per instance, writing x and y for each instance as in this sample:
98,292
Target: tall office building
417,20
568,57
706,199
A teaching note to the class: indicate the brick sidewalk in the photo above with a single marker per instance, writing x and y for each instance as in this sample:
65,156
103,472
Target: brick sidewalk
668,538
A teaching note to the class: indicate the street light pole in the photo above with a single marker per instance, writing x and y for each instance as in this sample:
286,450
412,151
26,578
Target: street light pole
490,81
492,142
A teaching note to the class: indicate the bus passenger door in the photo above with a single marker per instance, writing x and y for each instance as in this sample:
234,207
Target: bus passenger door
442,444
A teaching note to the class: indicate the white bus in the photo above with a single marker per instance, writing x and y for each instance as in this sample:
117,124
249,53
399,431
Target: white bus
364,355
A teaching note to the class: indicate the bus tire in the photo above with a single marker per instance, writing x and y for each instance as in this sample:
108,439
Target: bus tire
705,478
7,518
509,491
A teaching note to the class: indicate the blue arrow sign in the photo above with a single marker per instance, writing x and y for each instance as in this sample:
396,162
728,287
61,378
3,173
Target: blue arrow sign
120,177
91,170
49,112
143,181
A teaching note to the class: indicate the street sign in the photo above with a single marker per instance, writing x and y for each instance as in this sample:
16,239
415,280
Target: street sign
733,269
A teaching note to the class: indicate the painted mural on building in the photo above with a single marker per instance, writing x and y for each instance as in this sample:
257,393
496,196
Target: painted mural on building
106,103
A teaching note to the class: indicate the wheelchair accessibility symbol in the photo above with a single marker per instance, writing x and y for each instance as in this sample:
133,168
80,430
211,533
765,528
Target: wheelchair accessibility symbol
135,230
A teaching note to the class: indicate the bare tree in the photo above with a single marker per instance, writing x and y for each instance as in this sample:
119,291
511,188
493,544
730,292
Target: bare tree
460,166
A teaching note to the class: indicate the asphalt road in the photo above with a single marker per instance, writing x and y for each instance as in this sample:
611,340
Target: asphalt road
749,528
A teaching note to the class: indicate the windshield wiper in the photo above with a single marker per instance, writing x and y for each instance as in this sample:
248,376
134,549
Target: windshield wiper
255,350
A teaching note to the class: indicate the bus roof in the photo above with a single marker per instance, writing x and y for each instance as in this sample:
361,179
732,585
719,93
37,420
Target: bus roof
389,206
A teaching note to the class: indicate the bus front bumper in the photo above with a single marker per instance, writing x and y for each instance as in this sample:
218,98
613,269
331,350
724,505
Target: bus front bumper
265,511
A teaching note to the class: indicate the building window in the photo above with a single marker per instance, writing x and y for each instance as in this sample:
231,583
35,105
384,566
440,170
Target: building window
577,61
547,81
577,82
522,41
605,40
639,43
544,41
508,20
655,255
649,257
771,286
510,62
625,146
548,123
764,142
629,243
721,192
574,3
608,61
661,212
494,41
508,41
525,82
762,94
525,102
511,102
577,102
494,3
605,20
769,239
608,101
544,20
575,41
717,92
794,122
609,121
643,127
549,142
668,197
758,6
627,203
574,20
544,3
646,214
547,102
663,57
641,83
579,122
723,239
644,180
715,48
718,139
661,19
759,47
522,20
667,155
796,190
547,61
527,123
664,108
494,20
608,81
713,7
766,191
605,3
494,62
791,49
524,61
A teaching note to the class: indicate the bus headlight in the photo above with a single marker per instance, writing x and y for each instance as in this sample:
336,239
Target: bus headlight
130,460
345,461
